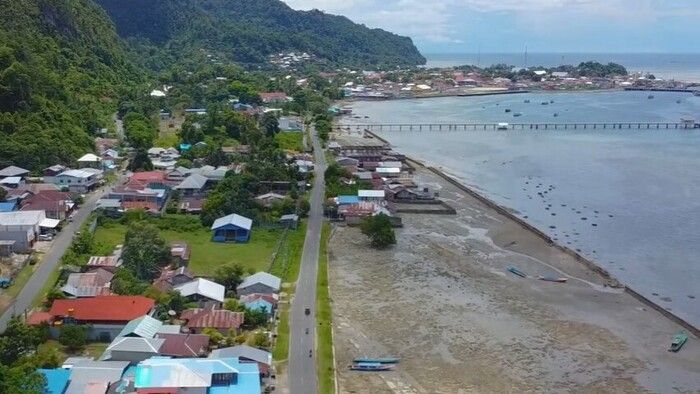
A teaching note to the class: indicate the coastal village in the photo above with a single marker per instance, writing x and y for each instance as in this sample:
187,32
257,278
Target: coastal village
211,311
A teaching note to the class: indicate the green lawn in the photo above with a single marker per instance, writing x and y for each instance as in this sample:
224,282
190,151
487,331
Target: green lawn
324,317
20,280
291,141
206,256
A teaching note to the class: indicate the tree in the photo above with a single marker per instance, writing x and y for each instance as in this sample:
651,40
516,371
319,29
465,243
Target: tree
229,276
73,336
145,251
125,282
215,337
379,230
19,340
141,161
269,124
255,318
234,305
3,194
21,379
260,340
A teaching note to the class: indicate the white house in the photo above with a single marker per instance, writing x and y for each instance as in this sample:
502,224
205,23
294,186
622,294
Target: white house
79,181
89,160
21,228
371,195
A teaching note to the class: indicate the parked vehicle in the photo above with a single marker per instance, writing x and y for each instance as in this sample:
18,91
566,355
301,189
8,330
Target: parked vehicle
678,341
45,237
307,311
5,282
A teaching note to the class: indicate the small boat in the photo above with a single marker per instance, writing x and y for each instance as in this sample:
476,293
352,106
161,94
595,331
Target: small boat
516,271
383,360
370,367
545,103
507,109
518,114
678,341
527,101
678,101
551,101
556,114
651,96
553,279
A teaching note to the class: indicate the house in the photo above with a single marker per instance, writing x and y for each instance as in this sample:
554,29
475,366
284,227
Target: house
88,284
347,200
246,354
267,200
132,349
203,291
194,184
236,150
12,182
274,97
347,162
221,319
13,171
109,263
388,171
259,304
78,181
304,166
50,173
196,375
260,282
179,253
401,193
232,228
192,204
22,227
289,221
288,125
56,380
371,195
184,345
171,278
105,315
141,327
90,160
8,206
94,376
56,204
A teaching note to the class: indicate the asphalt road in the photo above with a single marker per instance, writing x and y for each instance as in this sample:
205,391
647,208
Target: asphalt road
302,368
60,244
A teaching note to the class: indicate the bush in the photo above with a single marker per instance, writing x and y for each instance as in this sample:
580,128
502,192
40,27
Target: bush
379,230
73,337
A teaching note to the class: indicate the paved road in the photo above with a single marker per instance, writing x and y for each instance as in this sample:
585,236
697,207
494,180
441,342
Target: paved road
302,368
60,244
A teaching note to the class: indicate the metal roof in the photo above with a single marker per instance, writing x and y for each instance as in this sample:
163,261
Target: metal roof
89,157
83,173
194,181
196,373
203,287
22,218
268,280
245,351
234,219
370,193
11,180
13,171
134,344
89,374
144,327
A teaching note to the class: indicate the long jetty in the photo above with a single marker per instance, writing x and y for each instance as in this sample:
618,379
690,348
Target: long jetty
515,126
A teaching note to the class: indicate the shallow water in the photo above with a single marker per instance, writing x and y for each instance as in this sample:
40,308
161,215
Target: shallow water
627,199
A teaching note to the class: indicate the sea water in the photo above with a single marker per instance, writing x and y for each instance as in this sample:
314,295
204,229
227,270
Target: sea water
627,199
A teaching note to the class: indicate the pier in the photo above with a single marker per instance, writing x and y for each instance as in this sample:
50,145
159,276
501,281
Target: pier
689,124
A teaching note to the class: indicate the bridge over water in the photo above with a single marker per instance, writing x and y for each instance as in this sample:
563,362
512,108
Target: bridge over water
515,126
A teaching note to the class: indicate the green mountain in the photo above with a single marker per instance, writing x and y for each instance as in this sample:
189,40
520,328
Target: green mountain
62,66
248,31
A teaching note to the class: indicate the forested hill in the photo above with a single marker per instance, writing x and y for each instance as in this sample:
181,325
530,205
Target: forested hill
248,31
61,66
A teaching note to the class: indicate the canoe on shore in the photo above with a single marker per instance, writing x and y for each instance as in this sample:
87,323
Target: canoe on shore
553,279
516,271
383,360
678,341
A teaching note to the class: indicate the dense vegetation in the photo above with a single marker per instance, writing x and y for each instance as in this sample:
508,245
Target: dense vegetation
248,31
62,67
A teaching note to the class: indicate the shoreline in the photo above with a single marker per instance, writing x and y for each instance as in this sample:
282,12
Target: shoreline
615,283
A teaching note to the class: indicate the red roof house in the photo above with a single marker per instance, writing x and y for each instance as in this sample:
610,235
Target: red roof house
184,345
220,319
103,309
273,97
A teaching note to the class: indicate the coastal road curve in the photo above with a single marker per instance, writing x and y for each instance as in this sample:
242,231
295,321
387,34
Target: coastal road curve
61,243
302,368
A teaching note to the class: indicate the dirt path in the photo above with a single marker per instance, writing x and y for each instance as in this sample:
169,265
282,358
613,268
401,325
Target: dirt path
443,301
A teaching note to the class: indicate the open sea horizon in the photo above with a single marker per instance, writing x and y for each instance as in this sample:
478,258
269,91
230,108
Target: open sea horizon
677,66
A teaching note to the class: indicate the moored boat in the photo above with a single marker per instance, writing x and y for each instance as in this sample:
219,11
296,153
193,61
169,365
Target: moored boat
382,360
507,109
370,367
678,341
518,114
651,96
527,101
516,271
553,279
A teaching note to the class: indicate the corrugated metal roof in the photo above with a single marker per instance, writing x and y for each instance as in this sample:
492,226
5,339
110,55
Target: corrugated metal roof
214,318
370,193
194,181
261,277
203,287
144,327
133,344
234,219
196,373
251,353
21,218
13,171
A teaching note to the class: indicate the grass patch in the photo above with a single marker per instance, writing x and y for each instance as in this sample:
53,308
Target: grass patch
20,280
93,350
167,141
48,285
207,256
291,141
324,317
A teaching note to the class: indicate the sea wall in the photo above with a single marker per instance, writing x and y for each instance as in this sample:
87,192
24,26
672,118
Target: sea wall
613,282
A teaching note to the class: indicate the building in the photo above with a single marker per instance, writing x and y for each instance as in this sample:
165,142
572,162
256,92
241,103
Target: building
371,195
193,185
88,284
179,253
260,282
79,181
56,204
109,263
13,171
246,354
85,376
289,125
171,278
220,319
274,97
202,291
22,227
232,228
184,345
90,160
267,200
196,375
12,182
105,316
259,304
289,221
141,327
132,349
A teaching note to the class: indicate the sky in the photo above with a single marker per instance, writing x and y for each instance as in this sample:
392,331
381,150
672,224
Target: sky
494,26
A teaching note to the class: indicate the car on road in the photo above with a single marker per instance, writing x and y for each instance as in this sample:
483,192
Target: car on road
307,311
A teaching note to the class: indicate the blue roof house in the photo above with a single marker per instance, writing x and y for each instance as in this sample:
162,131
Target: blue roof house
260,303
56,380
8,206
232,228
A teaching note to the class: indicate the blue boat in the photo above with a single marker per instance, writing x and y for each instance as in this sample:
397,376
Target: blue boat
517,272
370,367
385,360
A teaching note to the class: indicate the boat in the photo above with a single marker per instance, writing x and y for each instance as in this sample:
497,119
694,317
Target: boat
696,93
551,101
545,103
527,101
370,367
553,279
651,96
556,114
678,101
518,114
516,271
383,360
678,341
507,109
